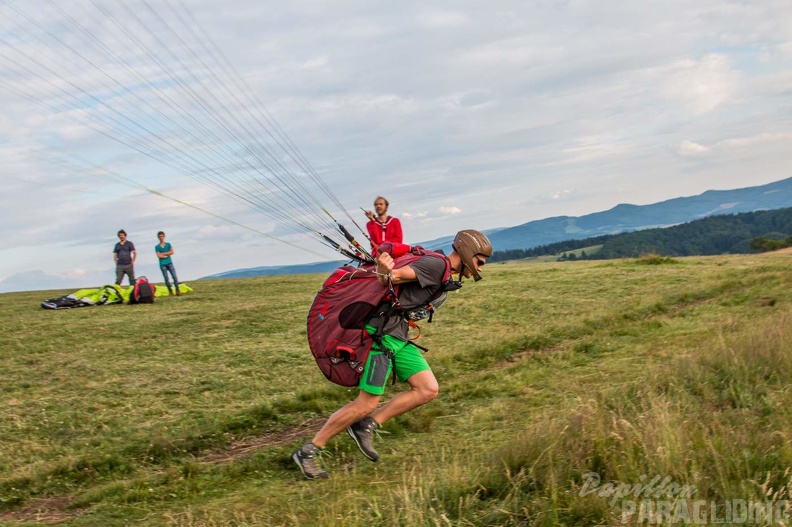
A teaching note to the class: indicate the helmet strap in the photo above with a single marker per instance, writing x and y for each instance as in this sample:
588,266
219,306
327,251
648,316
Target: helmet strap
461,263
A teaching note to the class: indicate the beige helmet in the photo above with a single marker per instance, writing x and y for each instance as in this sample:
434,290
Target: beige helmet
468,244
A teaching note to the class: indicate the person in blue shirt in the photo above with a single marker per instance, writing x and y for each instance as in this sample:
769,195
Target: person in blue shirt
164,252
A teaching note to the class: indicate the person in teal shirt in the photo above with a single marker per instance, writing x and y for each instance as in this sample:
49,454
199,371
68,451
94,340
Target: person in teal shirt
164,252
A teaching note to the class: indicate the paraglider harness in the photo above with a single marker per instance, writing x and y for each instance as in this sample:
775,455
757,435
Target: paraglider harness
352,297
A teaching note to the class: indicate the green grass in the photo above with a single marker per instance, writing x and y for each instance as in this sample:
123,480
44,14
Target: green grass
186,412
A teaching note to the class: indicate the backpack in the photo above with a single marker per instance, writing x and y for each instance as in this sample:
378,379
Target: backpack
349,298
143,292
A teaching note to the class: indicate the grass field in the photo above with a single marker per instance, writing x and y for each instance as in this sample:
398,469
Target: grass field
553,376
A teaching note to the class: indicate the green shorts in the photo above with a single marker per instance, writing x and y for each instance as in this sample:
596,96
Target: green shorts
407,358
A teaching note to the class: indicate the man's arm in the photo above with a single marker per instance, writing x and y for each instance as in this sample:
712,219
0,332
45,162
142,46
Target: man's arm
397,235
375,233
397,276
133,254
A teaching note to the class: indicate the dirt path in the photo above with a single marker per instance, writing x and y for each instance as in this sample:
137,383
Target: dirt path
53,510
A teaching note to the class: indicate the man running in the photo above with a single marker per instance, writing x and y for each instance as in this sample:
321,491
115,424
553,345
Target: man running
420,283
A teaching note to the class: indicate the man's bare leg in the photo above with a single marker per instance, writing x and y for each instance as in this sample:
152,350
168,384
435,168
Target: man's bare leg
423,389
363,405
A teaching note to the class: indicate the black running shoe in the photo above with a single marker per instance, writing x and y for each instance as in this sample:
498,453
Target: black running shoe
304,458
363,434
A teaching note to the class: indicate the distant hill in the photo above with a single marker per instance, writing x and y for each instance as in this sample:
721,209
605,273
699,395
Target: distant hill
621,218
721,234
319,267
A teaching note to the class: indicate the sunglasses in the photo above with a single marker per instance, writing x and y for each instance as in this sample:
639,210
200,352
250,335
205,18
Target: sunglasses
480,262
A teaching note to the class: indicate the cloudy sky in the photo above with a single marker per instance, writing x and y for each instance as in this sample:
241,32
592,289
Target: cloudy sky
463,114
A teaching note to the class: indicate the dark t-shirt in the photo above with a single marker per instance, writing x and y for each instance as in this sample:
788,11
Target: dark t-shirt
124,252
429,271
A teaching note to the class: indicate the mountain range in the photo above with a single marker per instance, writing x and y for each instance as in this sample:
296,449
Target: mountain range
621,218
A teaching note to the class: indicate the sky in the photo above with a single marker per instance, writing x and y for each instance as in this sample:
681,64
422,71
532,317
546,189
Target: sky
463,114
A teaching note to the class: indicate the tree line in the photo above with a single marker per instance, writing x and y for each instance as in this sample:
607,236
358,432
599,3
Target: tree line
747,232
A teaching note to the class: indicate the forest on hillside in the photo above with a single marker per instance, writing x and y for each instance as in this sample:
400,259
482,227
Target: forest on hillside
747,232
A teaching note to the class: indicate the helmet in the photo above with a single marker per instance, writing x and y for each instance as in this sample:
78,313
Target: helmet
468,244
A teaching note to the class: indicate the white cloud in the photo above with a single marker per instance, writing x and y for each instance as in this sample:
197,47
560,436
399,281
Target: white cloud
702,85
213,232
515,52
450,210
415,215
588,149
74,273
563,194
690,148
434,18
743,142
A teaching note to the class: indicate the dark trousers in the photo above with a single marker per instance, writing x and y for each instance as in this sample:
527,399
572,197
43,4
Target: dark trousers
128,270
